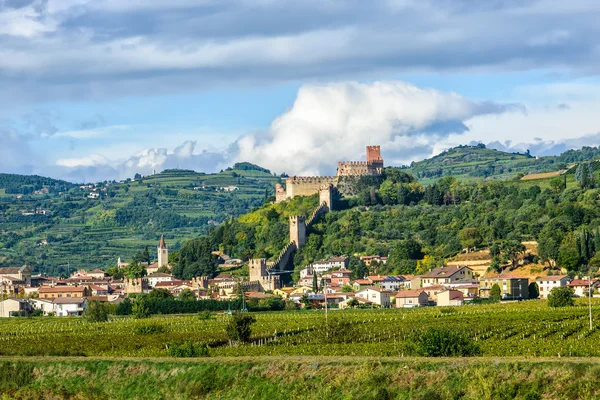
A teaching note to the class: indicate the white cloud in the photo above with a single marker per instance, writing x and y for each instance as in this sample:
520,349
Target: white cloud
335,122
88,161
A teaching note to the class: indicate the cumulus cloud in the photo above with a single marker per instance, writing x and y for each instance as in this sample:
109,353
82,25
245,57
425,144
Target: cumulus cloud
334,122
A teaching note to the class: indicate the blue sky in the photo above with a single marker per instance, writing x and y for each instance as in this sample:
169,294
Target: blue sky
102,89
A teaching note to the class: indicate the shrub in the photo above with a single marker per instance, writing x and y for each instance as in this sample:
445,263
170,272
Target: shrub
495,292
124,307
238,328
150,329
561,297
96,311
205,315
441,342
188,349
534,290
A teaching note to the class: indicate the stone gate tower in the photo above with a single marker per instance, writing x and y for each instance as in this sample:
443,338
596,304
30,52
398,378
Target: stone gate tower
163,253
298,230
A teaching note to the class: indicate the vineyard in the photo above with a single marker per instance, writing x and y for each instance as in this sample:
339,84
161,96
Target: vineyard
507,330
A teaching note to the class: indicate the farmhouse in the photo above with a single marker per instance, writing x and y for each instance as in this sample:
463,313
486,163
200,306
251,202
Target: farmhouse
411,298
445,275
547,283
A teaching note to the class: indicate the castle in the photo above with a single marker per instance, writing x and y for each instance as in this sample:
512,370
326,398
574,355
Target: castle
306,186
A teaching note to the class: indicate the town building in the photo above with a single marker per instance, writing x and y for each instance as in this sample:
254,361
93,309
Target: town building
376,296
411,298
47,292
445,275
547,283
450,297
511,287
15,307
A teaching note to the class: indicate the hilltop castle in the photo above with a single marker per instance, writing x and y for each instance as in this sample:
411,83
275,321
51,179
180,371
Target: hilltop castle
306,186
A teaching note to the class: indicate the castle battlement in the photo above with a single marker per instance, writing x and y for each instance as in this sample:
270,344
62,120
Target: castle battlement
310,179
352,163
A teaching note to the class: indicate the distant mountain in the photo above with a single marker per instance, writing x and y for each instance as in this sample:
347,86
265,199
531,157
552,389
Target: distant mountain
54,224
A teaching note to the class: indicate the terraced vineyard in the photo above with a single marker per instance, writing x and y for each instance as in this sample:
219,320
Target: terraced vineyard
88,233
506,330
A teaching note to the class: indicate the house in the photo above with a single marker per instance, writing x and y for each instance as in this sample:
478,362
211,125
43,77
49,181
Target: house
174,286
468,290
376,295
582,287
338,278
47,292
93,274
392,283
376,280
361,284
16,273
411,298
320,267
157,277
446,274
511,287
284,292
450,297
42,304
433,290
547,283
15,307
368,260
67,307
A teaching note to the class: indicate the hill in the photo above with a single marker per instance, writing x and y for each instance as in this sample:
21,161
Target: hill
56,225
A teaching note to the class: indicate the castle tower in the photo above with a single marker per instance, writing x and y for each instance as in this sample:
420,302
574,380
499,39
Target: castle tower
163,253
374,154
298,231
258,269
326,196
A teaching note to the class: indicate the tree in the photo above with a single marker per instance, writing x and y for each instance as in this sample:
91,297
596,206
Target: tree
347,289
561,297
584,174
495,292
134,270
196,259
534,290
568,253
160,294
558,183
239,327
139,309
96,311
186,295
124,307
315,286
469,237
352,303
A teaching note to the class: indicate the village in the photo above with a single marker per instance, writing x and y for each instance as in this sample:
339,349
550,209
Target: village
323,284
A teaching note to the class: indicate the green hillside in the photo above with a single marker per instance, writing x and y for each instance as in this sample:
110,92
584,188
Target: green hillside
477,162
56,225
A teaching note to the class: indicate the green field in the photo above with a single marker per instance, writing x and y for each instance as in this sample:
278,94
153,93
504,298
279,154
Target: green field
526,329
299,378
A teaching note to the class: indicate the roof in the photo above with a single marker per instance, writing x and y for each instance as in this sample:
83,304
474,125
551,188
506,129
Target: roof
581,282
338,259
97,271
162,244
377,278
504,276
12,270
258,295
17,300
96,287
454,294
362,282
409,293
159,275
172,283
375,289
552,278
433,287
62,289
444,272
221,277
69,300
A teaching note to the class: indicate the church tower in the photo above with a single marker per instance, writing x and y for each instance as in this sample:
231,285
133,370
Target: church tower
163,253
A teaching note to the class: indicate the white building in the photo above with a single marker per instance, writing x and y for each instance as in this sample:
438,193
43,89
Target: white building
157,277
323,266
43,304
14,307
376,296
69,306
547,283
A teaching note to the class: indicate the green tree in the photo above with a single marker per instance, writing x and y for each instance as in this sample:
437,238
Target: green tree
347,289
186,295
469,237
561,297
134,270
534,290
96,311
140,310
239,327
584,174
568,253
495,292
558,183
315,286
196,259
160,294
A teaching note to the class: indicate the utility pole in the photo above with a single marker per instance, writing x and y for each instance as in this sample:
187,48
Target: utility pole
325,296
590,296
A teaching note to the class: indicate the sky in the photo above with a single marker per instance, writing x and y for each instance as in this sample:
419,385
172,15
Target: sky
94,90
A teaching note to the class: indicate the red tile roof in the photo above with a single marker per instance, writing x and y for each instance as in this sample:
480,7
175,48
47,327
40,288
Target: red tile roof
408,293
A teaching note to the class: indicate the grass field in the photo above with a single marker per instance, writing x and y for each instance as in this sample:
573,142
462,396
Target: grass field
501,330
299,378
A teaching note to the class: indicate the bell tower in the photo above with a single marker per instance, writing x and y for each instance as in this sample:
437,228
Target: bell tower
163,253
